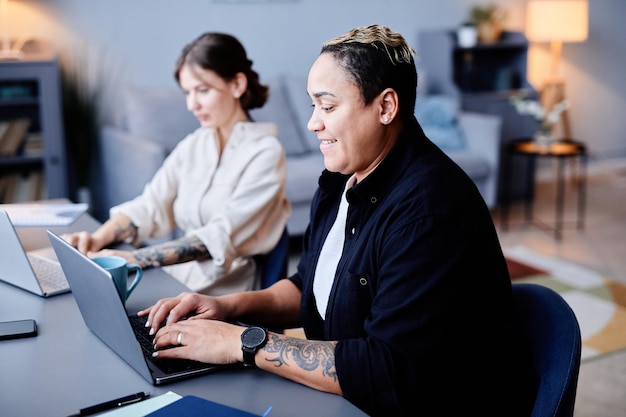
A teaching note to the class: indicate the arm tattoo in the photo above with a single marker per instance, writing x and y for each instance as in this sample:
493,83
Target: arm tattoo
309,355
125,233
185,249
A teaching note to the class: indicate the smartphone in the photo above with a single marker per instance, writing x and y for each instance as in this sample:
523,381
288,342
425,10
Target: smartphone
18,329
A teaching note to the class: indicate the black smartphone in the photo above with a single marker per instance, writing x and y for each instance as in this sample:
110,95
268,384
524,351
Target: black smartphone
18,329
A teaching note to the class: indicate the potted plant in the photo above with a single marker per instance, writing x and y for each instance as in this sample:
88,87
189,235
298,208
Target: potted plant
82,89
488,21
467,35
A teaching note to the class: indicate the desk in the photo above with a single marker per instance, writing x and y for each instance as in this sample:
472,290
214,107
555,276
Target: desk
66,367
561,150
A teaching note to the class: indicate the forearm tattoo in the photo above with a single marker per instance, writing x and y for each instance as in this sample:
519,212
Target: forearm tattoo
127,233
309,355
174,252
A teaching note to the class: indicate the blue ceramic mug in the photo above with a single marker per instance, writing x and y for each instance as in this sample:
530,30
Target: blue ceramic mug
120,271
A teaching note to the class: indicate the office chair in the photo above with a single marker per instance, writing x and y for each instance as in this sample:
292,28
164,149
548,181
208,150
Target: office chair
551,330
273,266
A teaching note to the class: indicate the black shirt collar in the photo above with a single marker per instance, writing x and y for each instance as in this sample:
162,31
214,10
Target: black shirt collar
375,186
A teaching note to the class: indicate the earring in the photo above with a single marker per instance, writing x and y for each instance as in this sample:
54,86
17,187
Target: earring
385,120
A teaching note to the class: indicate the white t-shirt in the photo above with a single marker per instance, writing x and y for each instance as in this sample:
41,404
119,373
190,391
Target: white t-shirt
331,253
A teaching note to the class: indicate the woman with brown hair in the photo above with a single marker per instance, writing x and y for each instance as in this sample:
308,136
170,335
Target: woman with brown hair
223,185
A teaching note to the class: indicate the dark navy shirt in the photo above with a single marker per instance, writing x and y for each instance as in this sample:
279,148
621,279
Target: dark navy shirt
421,300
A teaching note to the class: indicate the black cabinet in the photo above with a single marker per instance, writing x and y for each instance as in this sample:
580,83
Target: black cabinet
484,77
30,114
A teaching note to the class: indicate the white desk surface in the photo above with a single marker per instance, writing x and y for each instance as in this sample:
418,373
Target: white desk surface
66,367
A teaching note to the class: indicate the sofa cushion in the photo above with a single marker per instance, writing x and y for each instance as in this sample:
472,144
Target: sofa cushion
475,166
301,108
422,81
303,173
438,116
160,115
276,110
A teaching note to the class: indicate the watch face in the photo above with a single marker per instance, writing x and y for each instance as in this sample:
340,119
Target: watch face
253,337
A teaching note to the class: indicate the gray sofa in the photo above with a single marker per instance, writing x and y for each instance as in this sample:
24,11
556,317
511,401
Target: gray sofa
150,122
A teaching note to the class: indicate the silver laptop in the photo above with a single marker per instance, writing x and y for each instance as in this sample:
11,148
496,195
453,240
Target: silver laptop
30,271
96,295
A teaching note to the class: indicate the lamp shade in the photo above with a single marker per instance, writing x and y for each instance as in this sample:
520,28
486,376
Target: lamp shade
557,20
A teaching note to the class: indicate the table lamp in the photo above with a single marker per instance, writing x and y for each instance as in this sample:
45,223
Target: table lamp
556,21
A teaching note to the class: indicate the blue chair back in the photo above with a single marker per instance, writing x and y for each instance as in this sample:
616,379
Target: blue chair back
273,266
551,330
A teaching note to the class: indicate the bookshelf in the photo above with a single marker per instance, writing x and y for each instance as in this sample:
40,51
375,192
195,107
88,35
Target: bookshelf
32,147
484,77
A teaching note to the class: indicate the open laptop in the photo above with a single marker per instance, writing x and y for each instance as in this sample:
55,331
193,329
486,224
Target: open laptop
28,270
105,315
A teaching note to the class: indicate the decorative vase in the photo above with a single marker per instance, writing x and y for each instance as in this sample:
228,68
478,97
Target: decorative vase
542,139
467,36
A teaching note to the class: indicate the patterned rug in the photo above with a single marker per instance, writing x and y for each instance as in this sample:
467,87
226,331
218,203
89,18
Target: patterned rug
598,302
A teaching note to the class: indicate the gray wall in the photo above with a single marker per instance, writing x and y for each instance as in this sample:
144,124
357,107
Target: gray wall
140,40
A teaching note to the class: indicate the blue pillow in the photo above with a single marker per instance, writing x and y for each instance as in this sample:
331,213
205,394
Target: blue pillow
437,114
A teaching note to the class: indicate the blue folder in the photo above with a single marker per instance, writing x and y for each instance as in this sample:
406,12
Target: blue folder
192,406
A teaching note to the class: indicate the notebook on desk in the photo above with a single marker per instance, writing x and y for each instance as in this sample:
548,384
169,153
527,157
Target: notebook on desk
44,214
28,270
105,315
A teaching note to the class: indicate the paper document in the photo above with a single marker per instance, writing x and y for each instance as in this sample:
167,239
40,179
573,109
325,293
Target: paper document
35,214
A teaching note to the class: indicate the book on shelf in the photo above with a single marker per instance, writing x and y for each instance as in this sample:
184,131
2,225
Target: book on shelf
4,126
29,187
16,91
8,184
19,188
33,145
13,136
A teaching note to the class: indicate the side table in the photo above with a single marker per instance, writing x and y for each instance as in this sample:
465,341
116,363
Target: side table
561,150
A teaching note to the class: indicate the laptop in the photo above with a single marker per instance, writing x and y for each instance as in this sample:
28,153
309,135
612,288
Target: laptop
97,298
30,271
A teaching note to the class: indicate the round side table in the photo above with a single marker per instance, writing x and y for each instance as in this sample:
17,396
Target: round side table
561,150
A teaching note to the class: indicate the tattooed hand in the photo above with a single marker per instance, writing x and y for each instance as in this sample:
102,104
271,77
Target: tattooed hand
185,249
309,355
309,362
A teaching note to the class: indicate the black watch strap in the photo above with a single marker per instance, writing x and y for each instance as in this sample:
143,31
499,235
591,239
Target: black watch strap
248,356
252,339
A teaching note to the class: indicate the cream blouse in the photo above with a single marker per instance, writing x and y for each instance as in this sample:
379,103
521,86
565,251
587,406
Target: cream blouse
235,204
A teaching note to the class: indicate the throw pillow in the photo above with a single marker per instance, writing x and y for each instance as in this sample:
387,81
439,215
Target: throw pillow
276,110
437,114
301,108
160,115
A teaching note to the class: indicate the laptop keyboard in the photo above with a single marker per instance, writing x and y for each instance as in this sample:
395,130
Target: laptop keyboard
49,273
168,366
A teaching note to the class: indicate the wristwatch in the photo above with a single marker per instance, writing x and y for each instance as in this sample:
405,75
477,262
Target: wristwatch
252,339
